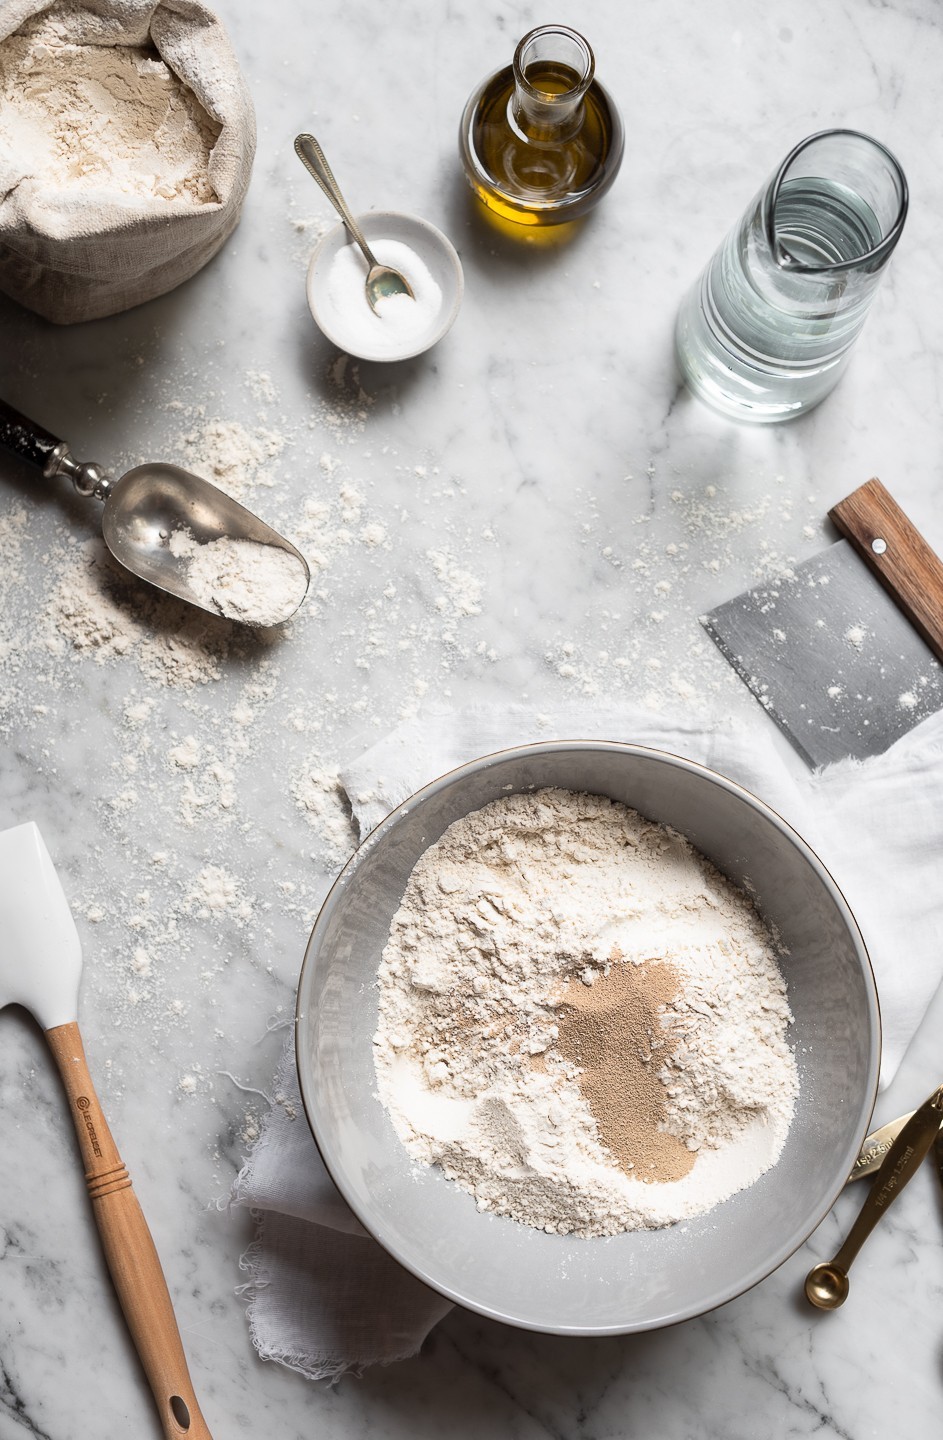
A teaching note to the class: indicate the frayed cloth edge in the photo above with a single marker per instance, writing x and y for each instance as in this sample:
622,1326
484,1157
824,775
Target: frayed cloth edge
249,1263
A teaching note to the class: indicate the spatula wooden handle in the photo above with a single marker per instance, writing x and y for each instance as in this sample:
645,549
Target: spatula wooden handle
129,1249
894,549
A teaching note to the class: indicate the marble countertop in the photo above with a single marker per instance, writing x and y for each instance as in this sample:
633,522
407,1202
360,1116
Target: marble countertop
534,510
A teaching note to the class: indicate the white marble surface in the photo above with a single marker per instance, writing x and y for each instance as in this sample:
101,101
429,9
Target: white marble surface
520,489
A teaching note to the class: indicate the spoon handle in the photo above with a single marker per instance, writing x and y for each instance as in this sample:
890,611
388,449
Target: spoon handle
902,1160
25,439
314,160
129,1250
875,1147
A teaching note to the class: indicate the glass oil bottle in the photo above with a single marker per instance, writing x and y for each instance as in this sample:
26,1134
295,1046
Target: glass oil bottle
541,141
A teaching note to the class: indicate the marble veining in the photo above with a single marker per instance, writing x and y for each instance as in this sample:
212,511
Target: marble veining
534,509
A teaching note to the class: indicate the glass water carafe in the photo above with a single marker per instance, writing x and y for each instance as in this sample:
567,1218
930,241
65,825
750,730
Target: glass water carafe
770,326
540,140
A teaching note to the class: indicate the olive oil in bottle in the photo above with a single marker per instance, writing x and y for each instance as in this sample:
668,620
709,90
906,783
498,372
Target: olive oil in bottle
541,141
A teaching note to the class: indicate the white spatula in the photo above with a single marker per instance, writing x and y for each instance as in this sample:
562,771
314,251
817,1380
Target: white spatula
40,968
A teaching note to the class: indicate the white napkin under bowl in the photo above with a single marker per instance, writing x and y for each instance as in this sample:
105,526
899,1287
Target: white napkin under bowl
323,1297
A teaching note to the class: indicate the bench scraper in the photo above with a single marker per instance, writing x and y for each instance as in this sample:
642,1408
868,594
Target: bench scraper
844,665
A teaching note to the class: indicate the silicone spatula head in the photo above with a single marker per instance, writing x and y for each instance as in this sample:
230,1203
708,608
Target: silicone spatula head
40,953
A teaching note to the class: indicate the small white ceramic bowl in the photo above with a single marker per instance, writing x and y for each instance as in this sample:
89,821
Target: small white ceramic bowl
349,329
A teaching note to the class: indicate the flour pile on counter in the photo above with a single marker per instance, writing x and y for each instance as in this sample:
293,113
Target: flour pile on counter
581,1020
86,118
236,457
97,611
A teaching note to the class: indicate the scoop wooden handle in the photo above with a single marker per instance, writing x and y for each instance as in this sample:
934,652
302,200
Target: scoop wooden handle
129,1250
894,549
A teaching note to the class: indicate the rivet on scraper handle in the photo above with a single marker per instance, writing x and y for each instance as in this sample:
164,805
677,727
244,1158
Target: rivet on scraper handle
898,555
40,968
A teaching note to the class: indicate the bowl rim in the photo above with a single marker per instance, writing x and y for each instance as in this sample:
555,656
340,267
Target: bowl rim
449,311
377,836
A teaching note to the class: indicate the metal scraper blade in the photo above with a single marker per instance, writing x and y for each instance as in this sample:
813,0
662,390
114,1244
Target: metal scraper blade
830,657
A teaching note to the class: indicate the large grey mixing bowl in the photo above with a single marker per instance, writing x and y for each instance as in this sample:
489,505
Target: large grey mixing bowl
634,1281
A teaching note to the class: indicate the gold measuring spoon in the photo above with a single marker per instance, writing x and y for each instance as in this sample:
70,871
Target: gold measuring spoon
826,1284
382,280
875,1147
147,505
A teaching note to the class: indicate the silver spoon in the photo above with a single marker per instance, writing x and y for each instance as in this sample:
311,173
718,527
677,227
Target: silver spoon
382,280
143,509
826,1284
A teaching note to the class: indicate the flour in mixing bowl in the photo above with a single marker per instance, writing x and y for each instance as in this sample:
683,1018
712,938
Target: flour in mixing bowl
581,1020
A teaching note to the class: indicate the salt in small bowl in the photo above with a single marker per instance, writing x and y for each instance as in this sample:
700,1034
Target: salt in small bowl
339,304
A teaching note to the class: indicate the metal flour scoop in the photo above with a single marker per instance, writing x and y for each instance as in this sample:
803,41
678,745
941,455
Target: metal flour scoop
145,507
40,968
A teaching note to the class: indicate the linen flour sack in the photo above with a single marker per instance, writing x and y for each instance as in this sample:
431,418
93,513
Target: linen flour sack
127,136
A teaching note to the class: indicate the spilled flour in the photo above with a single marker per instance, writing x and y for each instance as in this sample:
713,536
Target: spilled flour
581,1020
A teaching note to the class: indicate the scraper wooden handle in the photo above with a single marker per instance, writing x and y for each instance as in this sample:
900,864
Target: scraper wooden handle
891,546
129,1249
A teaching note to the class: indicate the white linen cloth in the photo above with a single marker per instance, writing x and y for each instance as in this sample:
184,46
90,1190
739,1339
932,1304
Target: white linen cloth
323,1297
